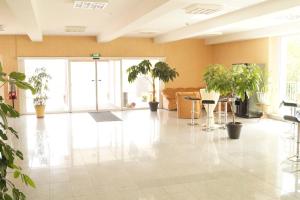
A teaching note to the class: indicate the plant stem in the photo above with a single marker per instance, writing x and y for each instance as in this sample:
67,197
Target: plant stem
153,90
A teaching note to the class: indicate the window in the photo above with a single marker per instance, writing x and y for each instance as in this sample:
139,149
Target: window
58,85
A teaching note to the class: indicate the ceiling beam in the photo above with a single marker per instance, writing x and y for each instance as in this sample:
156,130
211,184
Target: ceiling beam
25,12
217,23
278,30
144,12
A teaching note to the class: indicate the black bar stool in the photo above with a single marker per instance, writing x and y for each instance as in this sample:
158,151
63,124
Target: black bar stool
295,158
293,108
208,126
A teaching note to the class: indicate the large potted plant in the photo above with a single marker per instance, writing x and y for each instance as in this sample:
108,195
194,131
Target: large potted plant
40,81
160,70
241,79
214,79
10,170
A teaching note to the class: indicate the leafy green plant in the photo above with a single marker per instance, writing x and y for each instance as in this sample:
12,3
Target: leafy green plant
216,78
235,81
243,79
160,70
8,154
40,81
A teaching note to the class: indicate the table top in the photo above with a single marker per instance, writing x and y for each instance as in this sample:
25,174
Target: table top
192,98
223,99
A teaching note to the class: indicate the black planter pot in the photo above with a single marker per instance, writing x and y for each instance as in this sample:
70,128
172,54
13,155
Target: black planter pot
234,130
153,106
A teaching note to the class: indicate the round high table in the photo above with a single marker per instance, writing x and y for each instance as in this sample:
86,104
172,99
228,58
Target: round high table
193,112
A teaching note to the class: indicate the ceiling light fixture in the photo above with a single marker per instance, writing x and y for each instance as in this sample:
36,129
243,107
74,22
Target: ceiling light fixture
75,29
90,4
149,32
210,34
202,9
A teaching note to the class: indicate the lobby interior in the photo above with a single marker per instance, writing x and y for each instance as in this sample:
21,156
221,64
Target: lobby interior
132,153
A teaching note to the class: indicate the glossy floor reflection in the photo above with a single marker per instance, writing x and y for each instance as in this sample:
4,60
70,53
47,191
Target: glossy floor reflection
154,156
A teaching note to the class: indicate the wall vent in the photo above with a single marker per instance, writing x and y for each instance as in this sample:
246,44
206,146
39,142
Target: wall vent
202,9
90,4
75,29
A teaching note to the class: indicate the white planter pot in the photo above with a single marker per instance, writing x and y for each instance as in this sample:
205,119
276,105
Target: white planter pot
205,95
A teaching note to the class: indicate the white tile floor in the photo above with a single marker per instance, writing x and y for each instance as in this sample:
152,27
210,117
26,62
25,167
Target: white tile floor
151,156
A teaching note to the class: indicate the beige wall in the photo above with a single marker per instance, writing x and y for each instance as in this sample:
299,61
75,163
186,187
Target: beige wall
250,51
189,57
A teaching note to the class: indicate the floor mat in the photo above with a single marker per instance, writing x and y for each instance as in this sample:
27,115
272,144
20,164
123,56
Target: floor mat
104,116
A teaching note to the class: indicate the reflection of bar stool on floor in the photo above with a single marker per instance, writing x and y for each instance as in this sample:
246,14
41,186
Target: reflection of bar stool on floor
295,158
193,112
208,126
222,114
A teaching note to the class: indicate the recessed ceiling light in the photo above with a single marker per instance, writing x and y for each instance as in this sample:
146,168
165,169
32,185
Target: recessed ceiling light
149,32
208,34
202,9
75,29
90,4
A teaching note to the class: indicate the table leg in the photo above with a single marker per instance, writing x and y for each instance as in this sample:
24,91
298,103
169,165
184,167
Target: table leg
219,113
225,114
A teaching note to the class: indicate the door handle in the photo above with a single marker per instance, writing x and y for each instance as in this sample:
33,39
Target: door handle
93,80
99,80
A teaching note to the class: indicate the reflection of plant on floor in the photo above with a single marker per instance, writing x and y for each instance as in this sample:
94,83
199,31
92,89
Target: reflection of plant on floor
8,154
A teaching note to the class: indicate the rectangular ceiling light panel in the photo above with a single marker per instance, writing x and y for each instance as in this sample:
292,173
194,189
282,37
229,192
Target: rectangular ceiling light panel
90,4
202,9
75,29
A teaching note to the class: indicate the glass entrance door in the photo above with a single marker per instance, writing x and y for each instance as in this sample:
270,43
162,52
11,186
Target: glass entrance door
83,85
108,84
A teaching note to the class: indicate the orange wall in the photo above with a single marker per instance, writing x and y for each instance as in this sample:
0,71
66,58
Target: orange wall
250,51
189,57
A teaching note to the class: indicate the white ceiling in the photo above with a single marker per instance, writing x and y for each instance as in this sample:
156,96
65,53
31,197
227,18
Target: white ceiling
164,20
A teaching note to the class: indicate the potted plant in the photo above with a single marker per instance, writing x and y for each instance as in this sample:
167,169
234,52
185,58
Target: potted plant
214,78
241,79
160,70
40,81
11,172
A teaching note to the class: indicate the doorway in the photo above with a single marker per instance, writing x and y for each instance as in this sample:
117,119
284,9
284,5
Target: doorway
95,85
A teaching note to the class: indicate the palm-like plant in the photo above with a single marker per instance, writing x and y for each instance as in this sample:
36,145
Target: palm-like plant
160,70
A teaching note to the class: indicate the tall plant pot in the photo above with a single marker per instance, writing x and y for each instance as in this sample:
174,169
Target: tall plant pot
234,130
153,106
40,111
205,95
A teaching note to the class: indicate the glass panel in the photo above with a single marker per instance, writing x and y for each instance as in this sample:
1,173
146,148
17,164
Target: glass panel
292,68
138,93
109,85
83,86
58,87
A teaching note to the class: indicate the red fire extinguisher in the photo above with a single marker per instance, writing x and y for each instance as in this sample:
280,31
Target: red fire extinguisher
12,94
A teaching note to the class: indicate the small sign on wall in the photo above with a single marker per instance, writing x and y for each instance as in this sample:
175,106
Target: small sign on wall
95,56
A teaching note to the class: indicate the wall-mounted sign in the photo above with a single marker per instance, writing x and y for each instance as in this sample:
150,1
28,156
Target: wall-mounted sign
96,56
